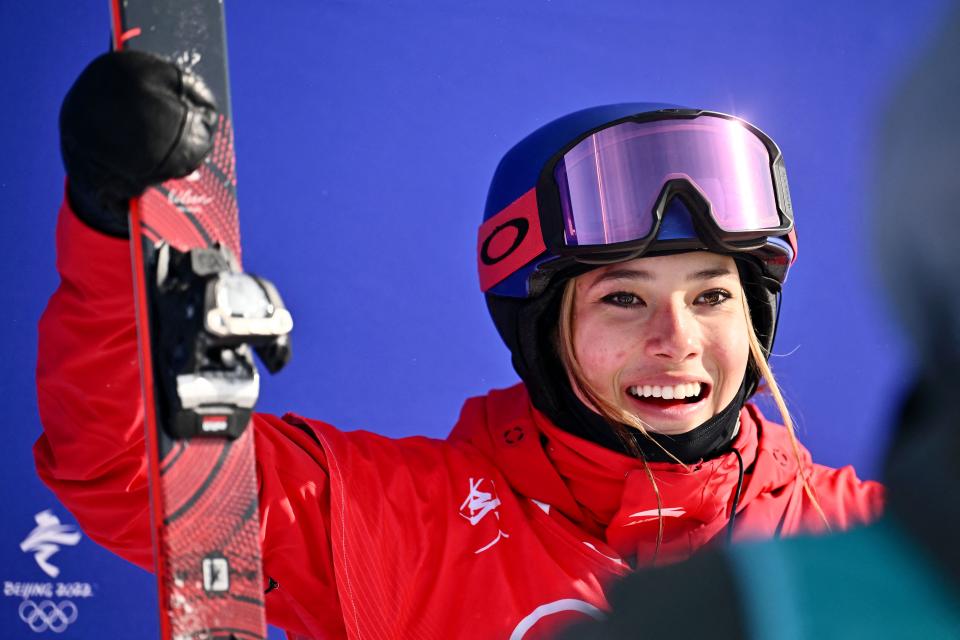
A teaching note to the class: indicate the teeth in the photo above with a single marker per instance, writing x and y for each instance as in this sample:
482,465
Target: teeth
678,392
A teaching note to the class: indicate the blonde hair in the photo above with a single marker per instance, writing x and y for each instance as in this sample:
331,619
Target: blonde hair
621,420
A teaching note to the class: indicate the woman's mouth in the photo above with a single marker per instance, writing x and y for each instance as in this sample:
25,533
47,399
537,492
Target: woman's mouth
669,395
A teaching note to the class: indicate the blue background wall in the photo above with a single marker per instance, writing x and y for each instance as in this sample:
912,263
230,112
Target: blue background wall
366,133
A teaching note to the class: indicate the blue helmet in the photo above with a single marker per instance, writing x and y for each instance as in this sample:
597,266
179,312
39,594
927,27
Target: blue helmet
616,182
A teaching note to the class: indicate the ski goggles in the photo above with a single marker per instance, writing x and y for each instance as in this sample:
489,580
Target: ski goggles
602,198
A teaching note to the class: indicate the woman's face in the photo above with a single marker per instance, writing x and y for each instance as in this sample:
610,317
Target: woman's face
674,329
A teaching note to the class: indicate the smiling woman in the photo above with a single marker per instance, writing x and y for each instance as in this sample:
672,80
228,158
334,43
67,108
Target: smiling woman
643,319
663,340
631,257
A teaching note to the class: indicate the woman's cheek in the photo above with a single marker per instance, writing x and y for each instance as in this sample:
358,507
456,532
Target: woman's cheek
730,355
598,357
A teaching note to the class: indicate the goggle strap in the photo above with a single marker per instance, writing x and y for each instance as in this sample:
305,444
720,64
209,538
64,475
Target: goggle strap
509,240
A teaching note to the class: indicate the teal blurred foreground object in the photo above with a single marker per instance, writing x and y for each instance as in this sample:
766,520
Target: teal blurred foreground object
874,582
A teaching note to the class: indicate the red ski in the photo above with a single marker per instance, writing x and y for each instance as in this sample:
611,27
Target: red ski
198,316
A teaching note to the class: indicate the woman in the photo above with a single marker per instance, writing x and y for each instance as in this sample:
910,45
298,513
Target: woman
631,257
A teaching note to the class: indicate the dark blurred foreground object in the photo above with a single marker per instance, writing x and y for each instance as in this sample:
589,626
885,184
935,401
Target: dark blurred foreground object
901,577
130,121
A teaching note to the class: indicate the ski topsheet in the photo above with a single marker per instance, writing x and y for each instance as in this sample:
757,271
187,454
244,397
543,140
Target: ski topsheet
203,490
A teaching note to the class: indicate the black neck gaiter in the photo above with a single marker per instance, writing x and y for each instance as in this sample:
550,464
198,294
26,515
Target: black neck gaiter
709,440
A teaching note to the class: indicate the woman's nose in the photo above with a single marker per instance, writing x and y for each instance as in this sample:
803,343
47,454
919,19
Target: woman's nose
671,333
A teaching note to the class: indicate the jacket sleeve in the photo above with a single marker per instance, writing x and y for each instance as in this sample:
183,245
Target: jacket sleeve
92,453
846,500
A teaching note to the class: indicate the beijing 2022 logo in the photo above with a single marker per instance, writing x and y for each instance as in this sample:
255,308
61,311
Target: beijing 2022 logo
48,606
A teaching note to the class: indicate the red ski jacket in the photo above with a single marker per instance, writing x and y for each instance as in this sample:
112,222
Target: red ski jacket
508,529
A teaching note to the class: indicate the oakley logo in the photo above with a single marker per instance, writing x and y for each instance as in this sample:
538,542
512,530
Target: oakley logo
46,538
508,240
518,226
48,615
513,435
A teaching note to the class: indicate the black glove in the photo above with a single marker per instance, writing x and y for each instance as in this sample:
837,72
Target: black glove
131,120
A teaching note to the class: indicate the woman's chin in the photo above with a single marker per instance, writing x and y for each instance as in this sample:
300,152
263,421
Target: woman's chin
670,417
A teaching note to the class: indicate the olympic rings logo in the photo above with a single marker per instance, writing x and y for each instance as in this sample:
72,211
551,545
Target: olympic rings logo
48,616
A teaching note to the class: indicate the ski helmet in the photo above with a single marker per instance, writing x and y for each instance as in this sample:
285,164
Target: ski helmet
616,182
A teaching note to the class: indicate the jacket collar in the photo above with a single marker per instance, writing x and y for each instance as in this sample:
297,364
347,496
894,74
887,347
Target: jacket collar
610,495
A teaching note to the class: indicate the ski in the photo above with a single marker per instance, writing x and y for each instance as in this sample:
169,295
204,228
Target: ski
198,316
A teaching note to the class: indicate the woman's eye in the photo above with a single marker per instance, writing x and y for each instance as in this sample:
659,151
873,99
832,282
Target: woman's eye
713,297
623,299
